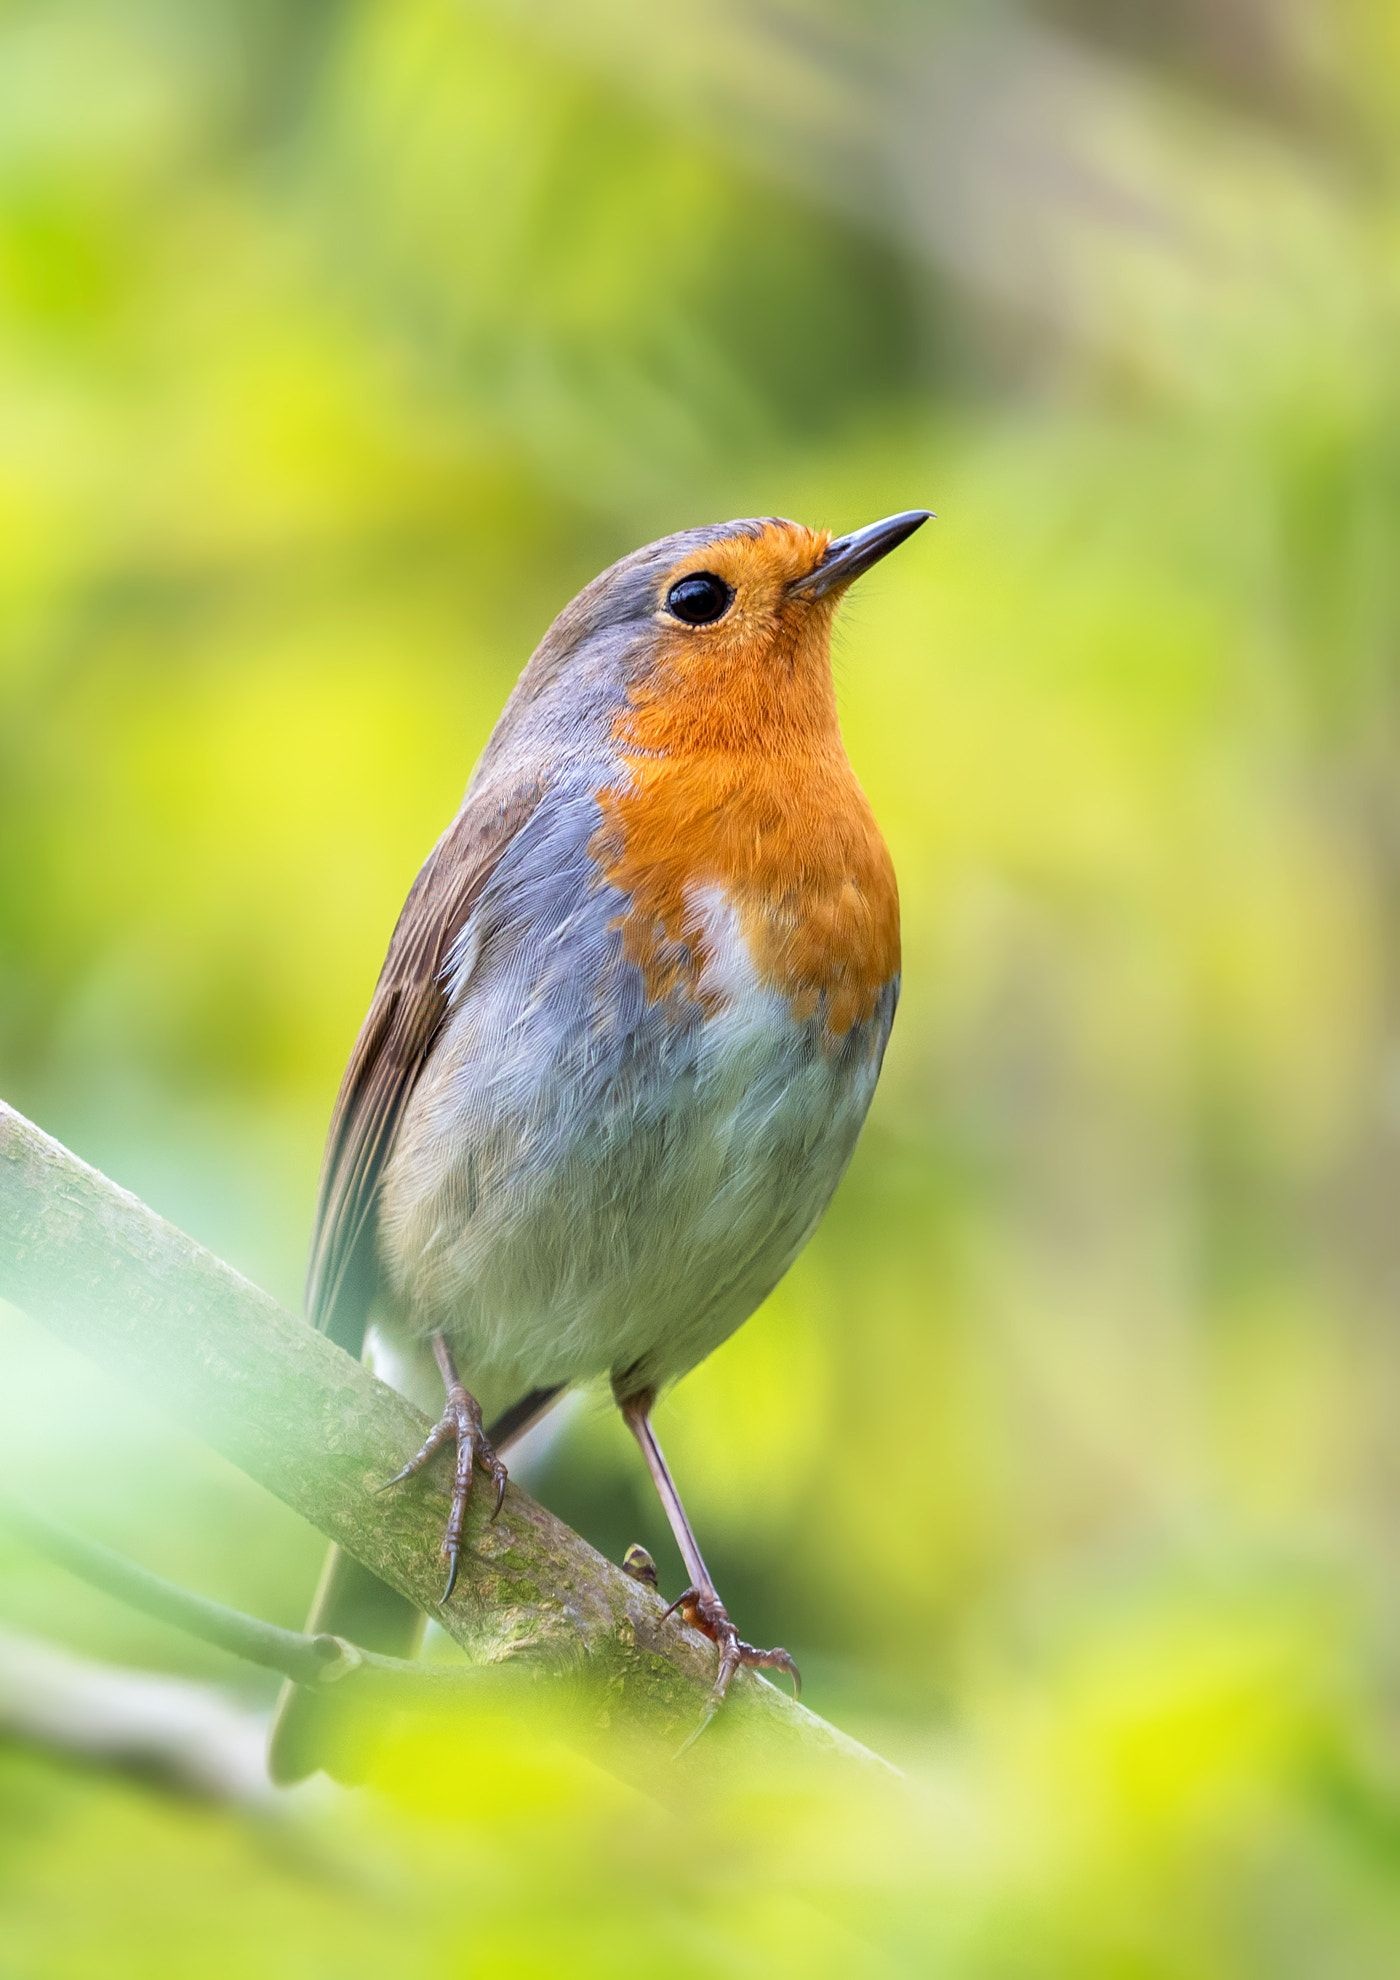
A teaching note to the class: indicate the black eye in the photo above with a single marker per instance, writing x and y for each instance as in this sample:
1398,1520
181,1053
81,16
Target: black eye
700,598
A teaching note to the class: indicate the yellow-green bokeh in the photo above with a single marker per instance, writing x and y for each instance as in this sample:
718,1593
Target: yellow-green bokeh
339,344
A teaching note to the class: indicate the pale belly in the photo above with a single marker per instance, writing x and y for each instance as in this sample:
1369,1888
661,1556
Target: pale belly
584,1187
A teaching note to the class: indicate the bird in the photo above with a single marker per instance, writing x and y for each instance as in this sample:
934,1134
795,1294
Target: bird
625,1036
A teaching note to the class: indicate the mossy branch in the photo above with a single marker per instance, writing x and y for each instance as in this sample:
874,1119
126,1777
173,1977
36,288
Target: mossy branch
319,1431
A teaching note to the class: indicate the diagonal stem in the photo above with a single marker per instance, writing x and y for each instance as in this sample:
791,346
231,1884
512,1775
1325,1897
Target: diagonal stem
308,1660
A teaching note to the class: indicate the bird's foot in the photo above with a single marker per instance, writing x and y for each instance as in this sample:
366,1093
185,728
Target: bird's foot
461,1425
703,1610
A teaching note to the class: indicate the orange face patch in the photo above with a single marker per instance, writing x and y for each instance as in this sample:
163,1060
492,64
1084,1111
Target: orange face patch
738,781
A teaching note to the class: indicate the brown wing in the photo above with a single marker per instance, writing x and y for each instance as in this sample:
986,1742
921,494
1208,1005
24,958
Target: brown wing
404,1019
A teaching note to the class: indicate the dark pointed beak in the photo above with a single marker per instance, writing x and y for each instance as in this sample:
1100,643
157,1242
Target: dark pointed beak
848,556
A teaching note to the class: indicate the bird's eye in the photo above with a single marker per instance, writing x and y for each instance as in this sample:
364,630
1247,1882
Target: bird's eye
699,599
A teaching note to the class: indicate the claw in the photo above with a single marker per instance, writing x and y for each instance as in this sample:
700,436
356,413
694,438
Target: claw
712,1705
426,1451
460,1423
703,1610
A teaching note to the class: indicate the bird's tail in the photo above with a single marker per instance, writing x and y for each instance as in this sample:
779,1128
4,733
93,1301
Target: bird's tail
310,1727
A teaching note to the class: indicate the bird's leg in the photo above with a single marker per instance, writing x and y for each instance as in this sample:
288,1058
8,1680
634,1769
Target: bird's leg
460,1423
700,1605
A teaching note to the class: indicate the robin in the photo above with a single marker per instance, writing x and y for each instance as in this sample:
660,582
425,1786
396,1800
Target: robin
625,1037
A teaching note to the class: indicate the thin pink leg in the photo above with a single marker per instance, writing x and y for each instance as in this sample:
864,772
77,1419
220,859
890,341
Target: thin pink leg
700,1605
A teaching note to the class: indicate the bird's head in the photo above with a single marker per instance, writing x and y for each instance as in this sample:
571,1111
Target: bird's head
714,638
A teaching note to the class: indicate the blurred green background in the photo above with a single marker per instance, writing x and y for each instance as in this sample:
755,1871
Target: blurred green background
341,344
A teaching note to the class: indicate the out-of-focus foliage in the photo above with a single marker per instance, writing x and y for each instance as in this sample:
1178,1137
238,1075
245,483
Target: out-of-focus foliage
341,344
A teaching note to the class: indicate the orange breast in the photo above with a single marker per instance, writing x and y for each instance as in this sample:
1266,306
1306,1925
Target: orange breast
737,781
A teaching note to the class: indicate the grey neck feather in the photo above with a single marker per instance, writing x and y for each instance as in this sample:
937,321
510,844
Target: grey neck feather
563,707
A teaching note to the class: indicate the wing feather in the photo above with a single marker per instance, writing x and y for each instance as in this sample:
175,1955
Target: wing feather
403,1022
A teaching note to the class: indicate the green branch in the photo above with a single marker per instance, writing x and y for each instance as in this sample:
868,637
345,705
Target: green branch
309,1660
316,1428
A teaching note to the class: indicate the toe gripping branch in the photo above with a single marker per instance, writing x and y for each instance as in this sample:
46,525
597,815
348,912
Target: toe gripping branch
460,1424
703,1610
